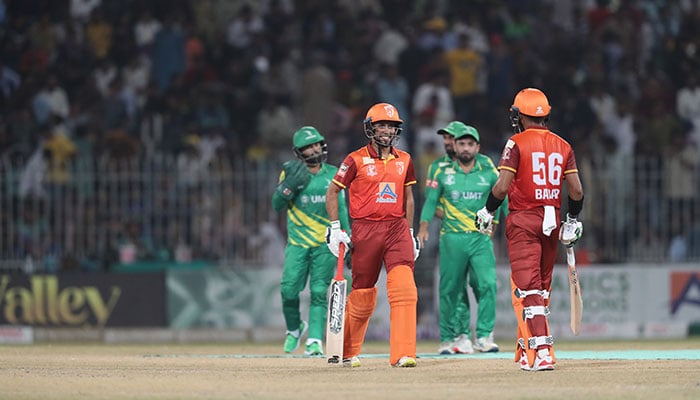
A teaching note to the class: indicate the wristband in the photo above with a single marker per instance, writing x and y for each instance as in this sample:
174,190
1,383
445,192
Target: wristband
575,207
492,203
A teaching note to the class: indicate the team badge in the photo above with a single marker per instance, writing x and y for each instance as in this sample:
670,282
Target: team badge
400,167
389,110
371,170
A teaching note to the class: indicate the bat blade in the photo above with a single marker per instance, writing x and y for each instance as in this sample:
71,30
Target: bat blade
335,322
574,292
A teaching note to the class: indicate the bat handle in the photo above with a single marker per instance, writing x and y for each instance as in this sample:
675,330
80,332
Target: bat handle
570,256
341,262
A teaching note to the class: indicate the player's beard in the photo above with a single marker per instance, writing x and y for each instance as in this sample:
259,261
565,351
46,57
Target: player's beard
465,158
450,151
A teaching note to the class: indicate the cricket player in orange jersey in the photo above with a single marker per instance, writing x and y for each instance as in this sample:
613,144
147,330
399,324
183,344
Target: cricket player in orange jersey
379,179
533,167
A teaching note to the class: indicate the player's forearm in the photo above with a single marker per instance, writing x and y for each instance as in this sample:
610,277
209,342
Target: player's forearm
278,202
332,202
428,210
410,206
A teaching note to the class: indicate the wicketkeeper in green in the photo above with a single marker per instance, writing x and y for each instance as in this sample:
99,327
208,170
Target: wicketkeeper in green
460,188
302,191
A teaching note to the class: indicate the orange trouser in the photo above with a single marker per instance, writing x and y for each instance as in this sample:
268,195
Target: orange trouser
360,306
403,299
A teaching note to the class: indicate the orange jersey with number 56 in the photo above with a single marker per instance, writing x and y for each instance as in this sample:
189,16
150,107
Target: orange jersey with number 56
376,187
540,160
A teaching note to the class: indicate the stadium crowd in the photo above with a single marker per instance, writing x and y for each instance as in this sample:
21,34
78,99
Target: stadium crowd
85,80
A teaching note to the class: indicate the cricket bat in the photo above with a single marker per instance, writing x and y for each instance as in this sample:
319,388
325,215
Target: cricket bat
335,323
574,292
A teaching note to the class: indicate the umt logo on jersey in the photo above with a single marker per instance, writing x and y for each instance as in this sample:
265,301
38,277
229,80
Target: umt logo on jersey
387,193
314,198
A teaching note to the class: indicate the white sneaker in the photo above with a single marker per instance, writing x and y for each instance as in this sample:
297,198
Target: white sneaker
406,362
353,362
543,361
462,345
486,344
446,348
524,363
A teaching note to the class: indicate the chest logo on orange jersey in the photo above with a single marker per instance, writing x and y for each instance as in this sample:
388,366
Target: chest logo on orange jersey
387,193
400,167
371,170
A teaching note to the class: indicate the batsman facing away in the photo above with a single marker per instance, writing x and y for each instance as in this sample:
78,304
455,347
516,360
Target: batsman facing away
302,192
533,167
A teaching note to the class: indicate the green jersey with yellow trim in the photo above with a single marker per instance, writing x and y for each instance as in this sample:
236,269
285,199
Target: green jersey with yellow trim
307,218
460,195
433,168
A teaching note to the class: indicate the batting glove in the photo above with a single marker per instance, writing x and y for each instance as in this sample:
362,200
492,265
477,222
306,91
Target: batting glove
484,221
334,236
416,246
571,231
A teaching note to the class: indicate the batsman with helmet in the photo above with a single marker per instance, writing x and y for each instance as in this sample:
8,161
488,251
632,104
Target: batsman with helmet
378,178
534,164
302,188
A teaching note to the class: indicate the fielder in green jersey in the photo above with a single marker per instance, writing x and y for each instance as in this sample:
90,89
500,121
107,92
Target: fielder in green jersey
460,189
302,191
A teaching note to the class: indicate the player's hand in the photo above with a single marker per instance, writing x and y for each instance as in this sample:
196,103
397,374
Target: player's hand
571,231
484,221
334,236
423,234
296,177
416,246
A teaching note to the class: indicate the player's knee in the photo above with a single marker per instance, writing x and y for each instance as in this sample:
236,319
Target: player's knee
400,286
319,295
361,302
289,292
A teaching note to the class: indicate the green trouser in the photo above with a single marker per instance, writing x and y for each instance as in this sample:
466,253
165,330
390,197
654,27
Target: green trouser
466,256
318,265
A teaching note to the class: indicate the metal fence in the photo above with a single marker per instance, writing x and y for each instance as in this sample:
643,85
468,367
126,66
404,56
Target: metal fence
95,214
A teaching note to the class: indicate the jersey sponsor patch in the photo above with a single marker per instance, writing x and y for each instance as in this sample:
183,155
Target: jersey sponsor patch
342,170
387,193
367,160
506,150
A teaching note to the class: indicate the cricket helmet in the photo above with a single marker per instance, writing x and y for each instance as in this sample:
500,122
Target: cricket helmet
530,102
382,112
306,136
